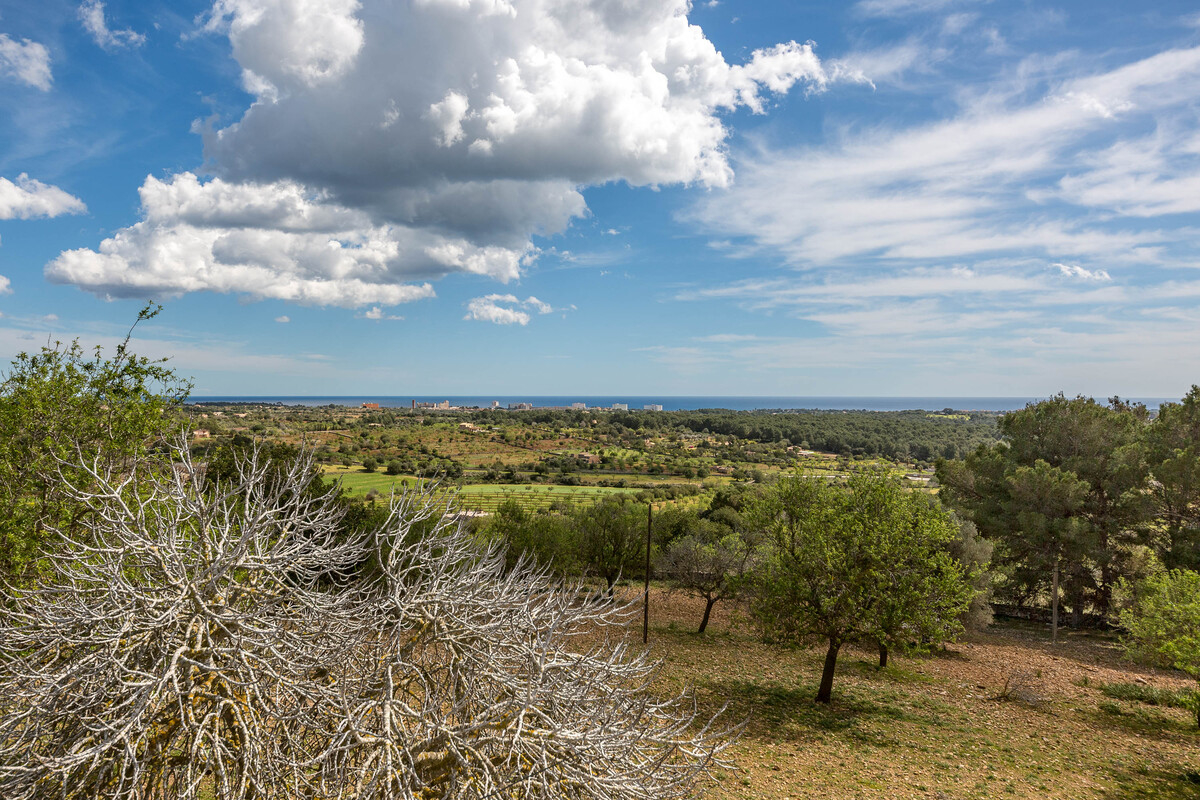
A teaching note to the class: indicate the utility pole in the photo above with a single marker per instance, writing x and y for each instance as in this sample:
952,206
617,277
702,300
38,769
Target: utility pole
646,594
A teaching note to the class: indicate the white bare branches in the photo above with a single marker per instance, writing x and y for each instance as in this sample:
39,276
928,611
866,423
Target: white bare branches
234,642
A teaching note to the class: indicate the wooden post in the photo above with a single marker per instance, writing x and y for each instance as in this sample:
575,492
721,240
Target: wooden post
646,594
1054,606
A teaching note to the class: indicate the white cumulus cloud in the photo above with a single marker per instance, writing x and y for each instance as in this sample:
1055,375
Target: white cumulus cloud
377,313
26,61
270,240
1076,271
28,198
91,14
390,141
505,309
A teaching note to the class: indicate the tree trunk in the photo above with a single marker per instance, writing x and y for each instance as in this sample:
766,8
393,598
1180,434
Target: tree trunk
826,690
883,654
707,611
1054,607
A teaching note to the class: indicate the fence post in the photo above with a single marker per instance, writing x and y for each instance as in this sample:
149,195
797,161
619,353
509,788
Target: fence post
646,594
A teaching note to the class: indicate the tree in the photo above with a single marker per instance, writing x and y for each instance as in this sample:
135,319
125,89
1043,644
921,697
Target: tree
1064,494
926,591
1163,622
393,467
853,562
612,538
1173,455
63,407
370,464
711,561
547,540
231,641
975,554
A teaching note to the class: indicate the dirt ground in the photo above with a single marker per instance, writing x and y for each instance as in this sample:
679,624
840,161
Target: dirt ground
935,726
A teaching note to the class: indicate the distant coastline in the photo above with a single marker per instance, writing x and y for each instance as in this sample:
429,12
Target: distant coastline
636,402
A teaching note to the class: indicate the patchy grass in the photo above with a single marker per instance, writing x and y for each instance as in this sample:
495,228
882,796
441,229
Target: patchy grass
1150,695
930,727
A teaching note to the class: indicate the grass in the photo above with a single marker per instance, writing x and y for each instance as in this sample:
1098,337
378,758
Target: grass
476,497
929,727
1150,695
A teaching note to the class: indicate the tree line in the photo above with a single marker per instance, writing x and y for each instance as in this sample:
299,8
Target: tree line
1080,495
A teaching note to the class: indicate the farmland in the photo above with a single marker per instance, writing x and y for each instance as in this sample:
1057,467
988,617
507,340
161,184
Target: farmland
543,459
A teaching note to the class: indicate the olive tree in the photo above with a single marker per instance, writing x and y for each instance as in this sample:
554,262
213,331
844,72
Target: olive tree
711,561
234,641
864,561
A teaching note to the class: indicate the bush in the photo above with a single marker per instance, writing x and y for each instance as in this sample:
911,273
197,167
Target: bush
233,641
394,467
369,464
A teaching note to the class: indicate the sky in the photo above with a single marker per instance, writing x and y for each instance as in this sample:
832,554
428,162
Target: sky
545,197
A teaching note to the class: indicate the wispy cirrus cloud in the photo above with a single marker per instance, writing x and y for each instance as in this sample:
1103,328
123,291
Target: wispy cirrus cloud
1044,176
1051,214
91,14
25,61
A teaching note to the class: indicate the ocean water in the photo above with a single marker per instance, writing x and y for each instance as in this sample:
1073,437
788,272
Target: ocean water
636,402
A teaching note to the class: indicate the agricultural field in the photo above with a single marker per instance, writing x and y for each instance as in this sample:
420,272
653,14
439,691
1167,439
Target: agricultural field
541,459
1000,714
473,497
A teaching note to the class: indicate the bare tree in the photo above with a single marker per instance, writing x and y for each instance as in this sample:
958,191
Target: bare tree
233,642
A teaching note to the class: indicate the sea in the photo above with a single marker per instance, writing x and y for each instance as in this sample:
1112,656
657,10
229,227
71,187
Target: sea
637,402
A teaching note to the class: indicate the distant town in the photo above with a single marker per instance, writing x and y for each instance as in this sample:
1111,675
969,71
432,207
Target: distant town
444,405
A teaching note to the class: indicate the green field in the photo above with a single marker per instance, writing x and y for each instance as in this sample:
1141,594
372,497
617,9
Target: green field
476,497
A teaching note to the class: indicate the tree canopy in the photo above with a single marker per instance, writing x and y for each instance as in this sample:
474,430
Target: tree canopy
867,560
64,408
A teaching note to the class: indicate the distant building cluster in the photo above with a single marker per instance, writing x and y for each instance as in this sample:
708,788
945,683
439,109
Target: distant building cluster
652,407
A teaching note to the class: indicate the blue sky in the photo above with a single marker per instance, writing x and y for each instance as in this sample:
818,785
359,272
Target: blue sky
888,197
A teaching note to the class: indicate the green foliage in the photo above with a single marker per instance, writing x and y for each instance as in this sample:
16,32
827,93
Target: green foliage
1173,454
393,467
705,559
865,561
370,464
549,540
612,538
1066,487
974,553
1163,621
63,412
